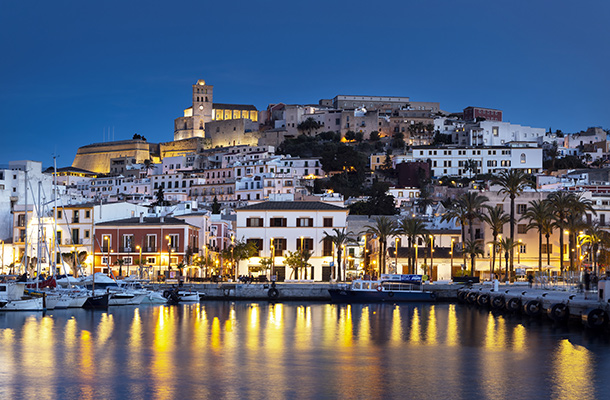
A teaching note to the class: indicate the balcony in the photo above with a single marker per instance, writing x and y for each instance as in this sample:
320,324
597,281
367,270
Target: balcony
150,249
73,241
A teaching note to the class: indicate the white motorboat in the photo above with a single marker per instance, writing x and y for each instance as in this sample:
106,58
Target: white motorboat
12,298
118,296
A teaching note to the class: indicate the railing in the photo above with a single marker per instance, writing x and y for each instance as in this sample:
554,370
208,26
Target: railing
150,249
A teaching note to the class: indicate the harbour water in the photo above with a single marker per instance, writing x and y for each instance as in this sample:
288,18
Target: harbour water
258,350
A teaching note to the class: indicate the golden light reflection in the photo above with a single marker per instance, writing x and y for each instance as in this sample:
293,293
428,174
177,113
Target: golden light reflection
7,361
396,330
215,335
303,328
519,342
572,367
104,329
452,327
364,337
87,359
346,326
415,334
162,367
135,342
431,334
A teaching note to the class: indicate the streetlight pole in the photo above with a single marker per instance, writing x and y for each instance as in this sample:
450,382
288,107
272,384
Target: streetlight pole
272,255
416,261
140,261
302,255
519,254
169,254
451,253
396,240
431,257
233,257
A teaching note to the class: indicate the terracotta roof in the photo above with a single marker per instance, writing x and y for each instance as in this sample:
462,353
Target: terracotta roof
292,205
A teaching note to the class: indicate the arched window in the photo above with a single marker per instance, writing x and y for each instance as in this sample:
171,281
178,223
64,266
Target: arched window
206,98
523,159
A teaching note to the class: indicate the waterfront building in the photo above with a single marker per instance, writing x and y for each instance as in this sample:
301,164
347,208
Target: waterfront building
289,226
163,242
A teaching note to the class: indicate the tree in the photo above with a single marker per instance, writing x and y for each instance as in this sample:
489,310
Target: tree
507,245
350,136
495,218
215,206
593,236
239,250
309,125
457,211
339,238
74,262
412,228
563,206
359,136
383,229
538,214
266,264
513,183
473,202
471,166
378,203
120,262
374,136
473,248
160,198
296,260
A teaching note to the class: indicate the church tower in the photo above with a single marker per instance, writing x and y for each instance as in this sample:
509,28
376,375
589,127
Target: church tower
195,117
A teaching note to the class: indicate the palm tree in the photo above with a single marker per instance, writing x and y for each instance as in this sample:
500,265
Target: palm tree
496,218
575,225
566,206
507,245
472,202
340,238
412,228
513,183
538,213
457,211
473,248
593,236
384,228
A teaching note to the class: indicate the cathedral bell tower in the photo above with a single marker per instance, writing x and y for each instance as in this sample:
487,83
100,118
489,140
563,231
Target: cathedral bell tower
202,106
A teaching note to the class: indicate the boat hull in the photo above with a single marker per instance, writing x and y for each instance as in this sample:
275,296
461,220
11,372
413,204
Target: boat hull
353,296
97,301
34,304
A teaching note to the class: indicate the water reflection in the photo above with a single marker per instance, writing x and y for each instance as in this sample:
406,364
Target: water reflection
255,350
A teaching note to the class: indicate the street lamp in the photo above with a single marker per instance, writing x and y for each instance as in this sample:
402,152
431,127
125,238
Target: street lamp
107,240
451,253
302,255
169,253
396,255
272,255
139,262
431,257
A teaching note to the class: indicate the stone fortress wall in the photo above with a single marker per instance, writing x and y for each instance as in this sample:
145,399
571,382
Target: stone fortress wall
96,157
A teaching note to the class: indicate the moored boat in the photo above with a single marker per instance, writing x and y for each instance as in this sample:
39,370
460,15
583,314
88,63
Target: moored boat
390,289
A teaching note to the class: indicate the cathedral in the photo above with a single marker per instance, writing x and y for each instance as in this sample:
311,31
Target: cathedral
205,111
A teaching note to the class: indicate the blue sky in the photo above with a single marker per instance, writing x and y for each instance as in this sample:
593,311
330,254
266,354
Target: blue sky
72,69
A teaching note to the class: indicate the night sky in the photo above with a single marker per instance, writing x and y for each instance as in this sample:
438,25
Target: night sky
70,70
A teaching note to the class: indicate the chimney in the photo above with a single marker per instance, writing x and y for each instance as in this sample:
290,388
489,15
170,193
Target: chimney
141,217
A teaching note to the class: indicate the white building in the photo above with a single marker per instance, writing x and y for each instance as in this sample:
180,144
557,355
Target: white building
452,160
288,226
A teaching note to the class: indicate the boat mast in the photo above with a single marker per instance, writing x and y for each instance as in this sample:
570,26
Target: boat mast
38,250
25,250
54,261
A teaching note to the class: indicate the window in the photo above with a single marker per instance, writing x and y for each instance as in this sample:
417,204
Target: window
521,228
279,245
128,243
173,242
75,236
523,158
547,249
151,243
75,218
521,208
58,214
495,130
151,260
328,222
128,260
602,219
327,247
307,244
277,222
258,243
87,234
254,222
304,222
522,248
